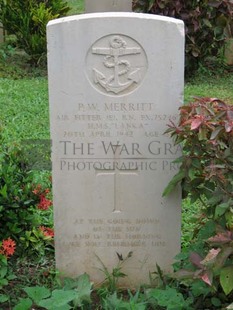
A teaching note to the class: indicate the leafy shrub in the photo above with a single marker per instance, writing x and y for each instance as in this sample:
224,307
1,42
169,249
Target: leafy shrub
75,291
24,206
205,131
206,24
15,63
27,20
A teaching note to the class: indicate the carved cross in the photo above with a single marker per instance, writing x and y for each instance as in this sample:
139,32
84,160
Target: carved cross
114,177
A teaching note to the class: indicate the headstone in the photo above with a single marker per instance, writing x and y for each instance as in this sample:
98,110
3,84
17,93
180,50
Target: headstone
92,6
115,81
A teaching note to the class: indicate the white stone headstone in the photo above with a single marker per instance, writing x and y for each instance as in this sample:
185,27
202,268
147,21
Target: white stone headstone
93,6
115,81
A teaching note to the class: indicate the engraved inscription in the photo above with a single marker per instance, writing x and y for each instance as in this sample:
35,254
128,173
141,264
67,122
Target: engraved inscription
123,232
116,64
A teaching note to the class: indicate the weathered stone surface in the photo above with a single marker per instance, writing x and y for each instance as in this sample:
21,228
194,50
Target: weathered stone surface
115,80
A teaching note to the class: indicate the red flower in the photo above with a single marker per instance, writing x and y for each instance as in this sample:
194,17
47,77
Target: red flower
48,232
8,247
44,203
37,190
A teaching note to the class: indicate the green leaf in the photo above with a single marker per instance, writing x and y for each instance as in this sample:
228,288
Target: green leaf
37,293
202,134
70,283
222,21
216,302
196,163
59,299
169,298
24,304
151,3
172,184
11,277
207,22
3,191
215,133
27,202
214,199
3,282
226,279
84,290
192,173
200,288
218,31
113,302
3,272
3,298
221,209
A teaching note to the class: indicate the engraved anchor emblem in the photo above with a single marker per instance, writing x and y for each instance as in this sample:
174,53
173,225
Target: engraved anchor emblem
123,77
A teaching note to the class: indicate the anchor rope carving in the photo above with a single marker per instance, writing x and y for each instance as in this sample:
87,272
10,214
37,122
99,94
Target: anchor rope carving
109,64
112,59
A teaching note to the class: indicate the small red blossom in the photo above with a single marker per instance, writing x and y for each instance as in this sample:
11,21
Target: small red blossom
48,232
37,190
8,247
44,203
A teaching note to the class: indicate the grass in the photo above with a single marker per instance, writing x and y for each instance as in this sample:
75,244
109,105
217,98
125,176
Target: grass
24,109
210,86
77,6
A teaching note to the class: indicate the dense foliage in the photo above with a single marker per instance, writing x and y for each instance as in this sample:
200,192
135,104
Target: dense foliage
207,24
205,131
24,206
27,20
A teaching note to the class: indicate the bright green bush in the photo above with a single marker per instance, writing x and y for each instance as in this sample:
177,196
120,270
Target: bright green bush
206,24
27,20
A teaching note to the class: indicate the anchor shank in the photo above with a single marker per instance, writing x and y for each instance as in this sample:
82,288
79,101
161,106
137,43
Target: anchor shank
116,81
